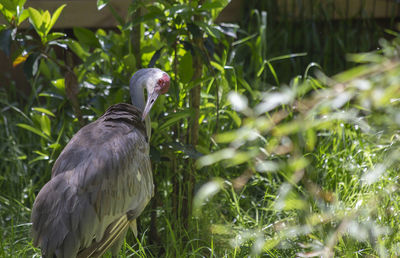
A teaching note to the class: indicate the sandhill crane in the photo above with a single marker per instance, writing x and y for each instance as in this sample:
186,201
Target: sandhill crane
102,180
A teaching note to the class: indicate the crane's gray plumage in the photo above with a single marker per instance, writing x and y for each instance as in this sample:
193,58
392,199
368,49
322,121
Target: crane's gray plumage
101,181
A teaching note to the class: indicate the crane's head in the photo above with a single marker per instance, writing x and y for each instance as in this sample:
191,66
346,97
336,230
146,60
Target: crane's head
156,83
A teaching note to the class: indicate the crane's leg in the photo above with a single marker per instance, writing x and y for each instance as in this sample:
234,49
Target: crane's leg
118,244
133,227
114,233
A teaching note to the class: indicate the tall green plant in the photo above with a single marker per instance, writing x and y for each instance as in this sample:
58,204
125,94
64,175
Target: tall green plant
317,165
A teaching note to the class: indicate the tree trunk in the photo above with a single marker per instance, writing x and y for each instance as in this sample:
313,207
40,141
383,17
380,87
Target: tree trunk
136,36
194,103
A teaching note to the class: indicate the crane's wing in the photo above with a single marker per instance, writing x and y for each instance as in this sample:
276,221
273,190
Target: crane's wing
101,174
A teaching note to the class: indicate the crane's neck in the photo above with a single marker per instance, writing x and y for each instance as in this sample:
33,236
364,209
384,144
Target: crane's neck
137,85
137,96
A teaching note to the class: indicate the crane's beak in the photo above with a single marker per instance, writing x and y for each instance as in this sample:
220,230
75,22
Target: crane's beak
150,101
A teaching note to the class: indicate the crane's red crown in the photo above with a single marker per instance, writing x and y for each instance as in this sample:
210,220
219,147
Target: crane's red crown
163,84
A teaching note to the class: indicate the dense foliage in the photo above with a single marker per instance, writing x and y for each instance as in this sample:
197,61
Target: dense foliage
244,163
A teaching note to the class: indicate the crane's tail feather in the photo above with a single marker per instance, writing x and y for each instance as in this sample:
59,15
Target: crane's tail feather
111,235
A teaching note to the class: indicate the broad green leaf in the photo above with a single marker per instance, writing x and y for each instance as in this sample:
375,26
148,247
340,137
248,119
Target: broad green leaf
21,3
46,22
43,110
9,5
55,146
59,84
45,124
93,58
235,117
76,48
186,68
86,36
24,15
51,95
55,16
130,62
211,30
54,36
36,20
31,65
8,9
217,66
33,130
175,117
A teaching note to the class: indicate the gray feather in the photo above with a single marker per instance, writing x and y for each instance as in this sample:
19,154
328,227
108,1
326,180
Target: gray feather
94,182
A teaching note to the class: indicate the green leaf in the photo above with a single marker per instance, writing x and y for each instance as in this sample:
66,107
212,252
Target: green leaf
217,66
116,15
86,36
151,16
55,146
54,36
175,117
92,59
243,40
101,4
38,159
271,68
36,20
23,157
211,30
23,16
288,56
45,124
59,84
42,156
129,62
21,3
76,48
31,65
43,110
55,16
186,68
8,9
50,21
33,130
235,117
46,21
